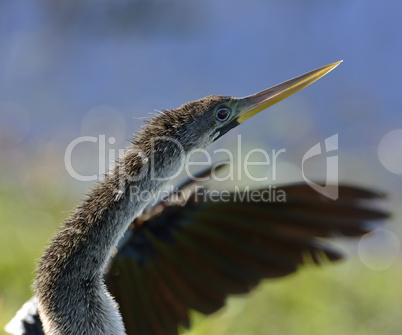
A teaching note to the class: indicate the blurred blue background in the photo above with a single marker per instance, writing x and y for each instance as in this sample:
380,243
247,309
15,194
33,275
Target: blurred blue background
84,68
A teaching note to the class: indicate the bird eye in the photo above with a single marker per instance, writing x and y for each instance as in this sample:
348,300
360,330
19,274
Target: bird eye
222,114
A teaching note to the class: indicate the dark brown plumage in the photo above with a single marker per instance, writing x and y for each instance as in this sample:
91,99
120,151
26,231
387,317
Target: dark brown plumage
181,258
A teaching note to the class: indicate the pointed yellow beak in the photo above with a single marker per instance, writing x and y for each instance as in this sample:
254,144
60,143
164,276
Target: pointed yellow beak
253,104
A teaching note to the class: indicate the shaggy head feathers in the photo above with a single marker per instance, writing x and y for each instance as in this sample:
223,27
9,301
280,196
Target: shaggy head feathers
189,124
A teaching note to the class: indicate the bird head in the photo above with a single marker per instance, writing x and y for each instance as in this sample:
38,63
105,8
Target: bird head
198,124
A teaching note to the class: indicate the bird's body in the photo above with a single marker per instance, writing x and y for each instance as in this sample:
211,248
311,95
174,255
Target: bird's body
71,295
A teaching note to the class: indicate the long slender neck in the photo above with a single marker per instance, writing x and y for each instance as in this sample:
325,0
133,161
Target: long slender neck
71,296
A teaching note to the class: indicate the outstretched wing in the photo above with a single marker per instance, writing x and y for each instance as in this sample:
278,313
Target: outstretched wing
191,255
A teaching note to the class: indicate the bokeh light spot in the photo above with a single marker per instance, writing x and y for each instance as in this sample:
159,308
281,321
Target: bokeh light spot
379,249
390,151
104,120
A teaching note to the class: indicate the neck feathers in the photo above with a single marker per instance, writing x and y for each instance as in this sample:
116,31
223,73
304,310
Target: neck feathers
71,296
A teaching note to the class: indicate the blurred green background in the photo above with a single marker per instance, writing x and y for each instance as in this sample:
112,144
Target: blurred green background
86,68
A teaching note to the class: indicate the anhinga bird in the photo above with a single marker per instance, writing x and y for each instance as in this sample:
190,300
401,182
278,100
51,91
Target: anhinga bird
180,256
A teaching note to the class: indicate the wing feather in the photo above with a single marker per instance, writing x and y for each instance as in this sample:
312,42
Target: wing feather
193,256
